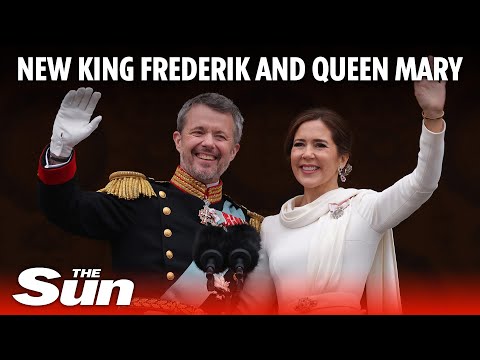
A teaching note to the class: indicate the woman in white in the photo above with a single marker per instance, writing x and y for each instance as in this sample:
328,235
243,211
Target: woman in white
327,246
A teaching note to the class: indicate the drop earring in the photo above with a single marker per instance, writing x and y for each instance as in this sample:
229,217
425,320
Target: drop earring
343,172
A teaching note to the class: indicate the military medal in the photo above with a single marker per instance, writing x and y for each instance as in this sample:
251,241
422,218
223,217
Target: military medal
208,215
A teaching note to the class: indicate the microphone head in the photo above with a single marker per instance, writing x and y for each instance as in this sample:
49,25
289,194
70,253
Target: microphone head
209,248
244,243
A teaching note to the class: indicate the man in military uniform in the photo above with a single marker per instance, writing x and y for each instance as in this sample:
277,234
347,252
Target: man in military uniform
151,225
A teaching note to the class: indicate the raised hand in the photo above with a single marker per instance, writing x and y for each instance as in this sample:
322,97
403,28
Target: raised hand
430,95
72,123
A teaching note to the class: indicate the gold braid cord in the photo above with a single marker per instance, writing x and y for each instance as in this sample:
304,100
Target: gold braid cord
165,306
255,220
128,185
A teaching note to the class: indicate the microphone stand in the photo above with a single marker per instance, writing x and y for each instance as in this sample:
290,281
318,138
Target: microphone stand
240,259
211,259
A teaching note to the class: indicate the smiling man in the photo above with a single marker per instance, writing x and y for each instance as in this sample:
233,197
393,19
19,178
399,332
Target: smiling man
151,225
208,138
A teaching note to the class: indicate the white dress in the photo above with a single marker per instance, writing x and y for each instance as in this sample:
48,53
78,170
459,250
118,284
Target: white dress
285,271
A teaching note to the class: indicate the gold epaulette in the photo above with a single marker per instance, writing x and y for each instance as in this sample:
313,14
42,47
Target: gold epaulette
255,219
128,185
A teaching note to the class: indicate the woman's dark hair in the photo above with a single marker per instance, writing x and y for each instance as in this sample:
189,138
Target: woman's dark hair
342,135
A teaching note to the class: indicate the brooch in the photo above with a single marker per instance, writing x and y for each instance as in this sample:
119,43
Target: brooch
304,305
337,210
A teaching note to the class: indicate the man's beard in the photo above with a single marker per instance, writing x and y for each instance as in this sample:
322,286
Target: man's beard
206,176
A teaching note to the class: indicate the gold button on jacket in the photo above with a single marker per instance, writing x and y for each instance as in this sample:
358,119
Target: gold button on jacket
139,219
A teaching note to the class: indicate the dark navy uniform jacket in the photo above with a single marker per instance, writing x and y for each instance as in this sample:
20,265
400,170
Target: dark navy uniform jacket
150,225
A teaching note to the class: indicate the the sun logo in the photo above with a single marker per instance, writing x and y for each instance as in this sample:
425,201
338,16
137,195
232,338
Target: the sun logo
94,292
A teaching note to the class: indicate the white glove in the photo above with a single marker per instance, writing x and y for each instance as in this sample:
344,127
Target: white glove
72,123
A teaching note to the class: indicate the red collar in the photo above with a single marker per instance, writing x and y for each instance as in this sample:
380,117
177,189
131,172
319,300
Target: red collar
185,182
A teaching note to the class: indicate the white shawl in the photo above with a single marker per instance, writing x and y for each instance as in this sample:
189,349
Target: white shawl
326,249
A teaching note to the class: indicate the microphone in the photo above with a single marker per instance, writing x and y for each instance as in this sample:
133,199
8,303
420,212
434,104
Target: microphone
209,252
243,246
235,247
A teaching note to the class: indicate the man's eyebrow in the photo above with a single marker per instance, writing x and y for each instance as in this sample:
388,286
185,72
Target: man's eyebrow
197,128
215,131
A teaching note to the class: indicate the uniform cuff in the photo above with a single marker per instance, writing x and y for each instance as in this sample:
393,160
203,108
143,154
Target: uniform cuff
58,175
